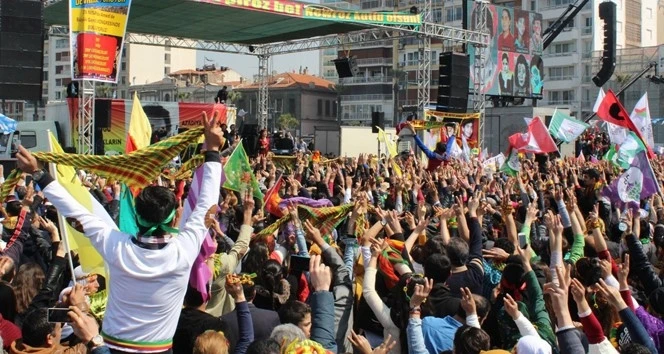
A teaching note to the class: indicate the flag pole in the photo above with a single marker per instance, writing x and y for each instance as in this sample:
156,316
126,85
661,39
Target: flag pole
62,223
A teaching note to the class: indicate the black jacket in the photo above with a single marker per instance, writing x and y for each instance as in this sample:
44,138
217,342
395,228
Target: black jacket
264,322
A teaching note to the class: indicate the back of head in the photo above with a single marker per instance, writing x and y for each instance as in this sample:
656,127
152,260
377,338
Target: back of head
656,300
437,267
264,346
634,348
470,340
441,147
155,205
193,297
211,342
13,208
36,329
27,283
457,251
287,333
271,274
293,312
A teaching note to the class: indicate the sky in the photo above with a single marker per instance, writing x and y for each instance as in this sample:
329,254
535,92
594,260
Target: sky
247,65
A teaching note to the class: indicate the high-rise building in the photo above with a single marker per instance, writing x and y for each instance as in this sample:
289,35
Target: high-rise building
388,69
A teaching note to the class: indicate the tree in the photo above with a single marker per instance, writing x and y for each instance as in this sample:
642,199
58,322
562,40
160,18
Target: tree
182,96
286,121
104,91
234,96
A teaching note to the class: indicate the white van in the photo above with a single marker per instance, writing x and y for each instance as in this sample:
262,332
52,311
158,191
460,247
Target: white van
32,135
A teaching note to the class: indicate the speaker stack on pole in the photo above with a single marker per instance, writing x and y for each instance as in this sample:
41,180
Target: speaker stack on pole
346,67
453,78
607,12
377,121
21,49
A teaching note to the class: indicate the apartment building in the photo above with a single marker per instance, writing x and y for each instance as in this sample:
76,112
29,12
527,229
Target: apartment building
568,60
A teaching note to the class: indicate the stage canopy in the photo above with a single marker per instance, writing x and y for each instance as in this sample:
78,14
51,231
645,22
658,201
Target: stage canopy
239,21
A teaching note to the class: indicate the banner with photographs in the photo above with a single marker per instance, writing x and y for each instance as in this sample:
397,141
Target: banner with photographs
512,59
96,36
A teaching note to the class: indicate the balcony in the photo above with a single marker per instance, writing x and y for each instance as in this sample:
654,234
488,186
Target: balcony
587,31
377,97
374,61
366,80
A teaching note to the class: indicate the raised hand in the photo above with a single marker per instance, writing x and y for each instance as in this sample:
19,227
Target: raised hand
468,302
321,275
511,307
623,273
421,293
214,137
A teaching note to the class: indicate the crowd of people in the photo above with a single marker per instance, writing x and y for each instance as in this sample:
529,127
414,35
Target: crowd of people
398,256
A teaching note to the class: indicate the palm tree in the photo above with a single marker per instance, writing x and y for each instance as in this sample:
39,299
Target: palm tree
104,91
182,96
622,80
286,121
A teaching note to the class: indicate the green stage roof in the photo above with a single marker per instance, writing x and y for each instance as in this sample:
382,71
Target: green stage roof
214,21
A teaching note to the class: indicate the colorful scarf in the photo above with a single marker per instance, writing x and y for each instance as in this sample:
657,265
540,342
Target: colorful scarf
324,219
137,169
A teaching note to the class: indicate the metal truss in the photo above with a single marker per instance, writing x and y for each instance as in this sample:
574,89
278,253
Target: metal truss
424,64
263,76
86,117
479,95
173,42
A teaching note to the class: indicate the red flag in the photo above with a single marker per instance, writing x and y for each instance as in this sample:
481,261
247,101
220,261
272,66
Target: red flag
537,140
272,199
612,111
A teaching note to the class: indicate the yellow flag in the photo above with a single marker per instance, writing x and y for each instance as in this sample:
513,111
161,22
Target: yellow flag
391,150
90,259
140,131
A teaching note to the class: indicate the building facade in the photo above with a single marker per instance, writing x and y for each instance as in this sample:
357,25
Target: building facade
310,99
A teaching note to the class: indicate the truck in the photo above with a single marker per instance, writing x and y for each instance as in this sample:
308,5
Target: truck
350,141
33,135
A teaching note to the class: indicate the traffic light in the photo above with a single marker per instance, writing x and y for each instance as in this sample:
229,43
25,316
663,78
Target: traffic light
607,12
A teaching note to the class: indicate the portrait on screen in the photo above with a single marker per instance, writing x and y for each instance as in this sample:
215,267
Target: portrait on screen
506,75
522,31
506,36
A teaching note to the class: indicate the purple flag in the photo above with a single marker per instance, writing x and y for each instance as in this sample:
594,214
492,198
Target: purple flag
200,273
637,183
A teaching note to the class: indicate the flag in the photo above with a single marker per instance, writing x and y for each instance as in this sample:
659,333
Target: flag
611,111
617,134
391,150
493,163
565,128
537,140
90,259
7,125
581,157
272,199
512,165
593,159
453,149
598,101
641,118
638,182
611,155
140,131
628,150
323,219
239,175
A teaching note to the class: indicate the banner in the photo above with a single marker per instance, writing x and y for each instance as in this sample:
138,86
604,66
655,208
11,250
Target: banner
317,12
324,13
96,37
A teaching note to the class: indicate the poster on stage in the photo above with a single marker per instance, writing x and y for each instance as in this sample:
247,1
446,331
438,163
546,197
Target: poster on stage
96,36
512,58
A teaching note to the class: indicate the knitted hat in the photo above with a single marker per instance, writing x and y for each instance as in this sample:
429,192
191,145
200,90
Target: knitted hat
532,345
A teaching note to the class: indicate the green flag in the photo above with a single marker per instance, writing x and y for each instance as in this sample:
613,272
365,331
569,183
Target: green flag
239,175
628,150
611,155
512,165
565,128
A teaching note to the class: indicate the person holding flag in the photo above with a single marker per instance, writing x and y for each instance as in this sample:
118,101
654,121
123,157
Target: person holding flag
149,271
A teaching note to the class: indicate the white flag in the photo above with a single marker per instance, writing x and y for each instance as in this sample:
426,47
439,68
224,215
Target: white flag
598,102
617,134
641,118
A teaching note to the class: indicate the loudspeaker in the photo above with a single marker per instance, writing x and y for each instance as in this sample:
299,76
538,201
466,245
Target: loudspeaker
102,114
377,121
346,67
453,78
249,136
607,12
21,49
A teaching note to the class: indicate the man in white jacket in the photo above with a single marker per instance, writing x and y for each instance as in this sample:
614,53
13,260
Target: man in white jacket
148,272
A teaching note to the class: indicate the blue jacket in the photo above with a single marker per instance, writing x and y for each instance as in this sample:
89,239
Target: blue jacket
322,319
